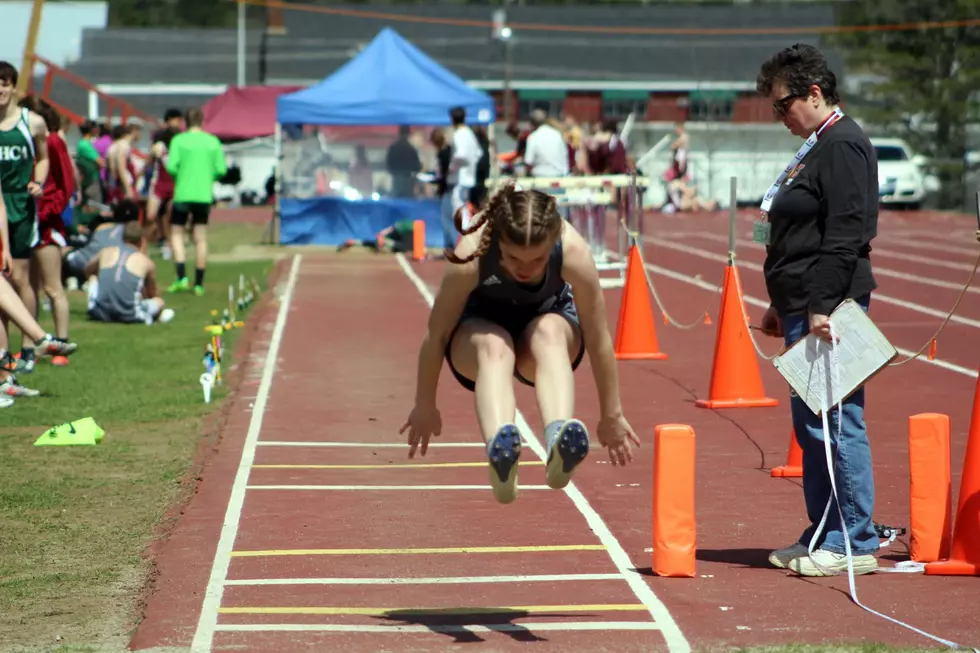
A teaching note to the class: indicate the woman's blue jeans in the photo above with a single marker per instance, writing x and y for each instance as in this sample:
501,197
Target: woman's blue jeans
852,458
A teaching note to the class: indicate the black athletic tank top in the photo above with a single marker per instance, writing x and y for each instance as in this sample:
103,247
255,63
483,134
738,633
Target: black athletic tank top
496,286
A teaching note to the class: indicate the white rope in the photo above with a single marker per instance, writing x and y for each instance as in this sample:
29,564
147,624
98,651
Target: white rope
636,239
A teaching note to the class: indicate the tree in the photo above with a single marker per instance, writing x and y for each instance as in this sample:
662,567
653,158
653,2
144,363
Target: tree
172,13
925,80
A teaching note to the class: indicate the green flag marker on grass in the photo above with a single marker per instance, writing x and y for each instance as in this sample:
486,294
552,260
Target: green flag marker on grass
80,432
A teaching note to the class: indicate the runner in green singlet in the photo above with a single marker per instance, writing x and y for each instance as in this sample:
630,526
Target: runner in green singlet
23,173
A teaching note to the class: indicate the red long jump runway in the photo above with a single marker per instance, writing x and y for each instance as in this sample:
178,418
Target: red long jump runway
742,512
341,562
333,539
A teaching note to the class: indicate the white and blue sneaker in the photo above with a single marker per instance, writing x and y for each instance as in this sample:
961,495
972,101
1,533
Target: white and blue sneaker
504,451
565,452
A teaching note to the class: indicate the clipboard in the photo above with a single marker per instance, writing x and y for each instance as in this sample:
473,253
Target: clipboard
862,351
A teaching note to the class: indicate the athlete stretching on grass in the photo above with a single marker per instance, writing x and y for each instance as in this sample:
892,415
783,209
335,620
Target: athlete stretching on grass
505,308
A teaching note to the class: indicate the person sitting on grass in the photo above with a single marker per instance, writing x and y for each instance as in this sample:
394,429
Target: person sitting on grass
108,231
398,237
124,287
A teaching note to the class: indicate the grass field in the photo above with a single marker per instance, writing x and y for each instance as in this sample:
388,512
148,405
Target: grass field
74,521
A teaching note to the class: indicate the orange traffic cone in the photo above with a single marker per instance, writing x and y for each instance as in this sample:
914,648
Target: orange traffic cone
636,333
735,378
418,240
794,461
964,556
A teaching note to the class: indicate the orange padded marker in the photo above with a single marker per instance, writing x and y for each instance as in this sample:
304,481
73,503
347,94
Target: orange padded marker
931,495
674,528
418,240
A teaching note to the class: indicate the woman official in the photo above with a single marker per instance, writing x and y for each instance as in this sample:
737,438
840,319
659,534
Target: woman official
818,220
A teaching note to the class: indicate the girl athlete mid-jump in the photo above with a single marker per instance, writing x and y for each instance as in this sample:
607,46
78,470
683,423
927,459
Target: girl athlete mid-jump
505,309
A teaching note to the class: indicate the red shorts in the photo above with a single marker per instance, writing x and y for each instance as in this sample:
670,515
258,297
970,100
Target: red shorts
51,229
164,192
116,194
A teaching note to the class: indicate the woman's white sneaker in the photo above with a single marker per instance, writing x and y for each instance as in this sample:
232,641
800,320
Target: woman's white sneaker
828,563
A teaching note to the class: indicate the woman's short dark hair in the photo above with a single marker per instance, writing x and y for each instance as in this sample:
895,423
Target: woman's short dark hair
799,67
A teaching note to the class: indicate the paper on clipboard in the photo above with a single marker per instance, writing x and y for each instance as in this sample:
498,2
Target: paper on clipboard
862,352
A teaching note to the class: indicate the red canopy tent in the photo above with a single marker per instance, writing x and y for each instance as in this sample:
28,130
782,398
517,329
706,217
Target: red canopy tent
242,113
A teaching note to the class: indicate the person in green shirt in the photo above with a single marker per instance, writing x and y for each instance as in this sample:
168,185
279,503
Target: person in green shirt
90,165
196,161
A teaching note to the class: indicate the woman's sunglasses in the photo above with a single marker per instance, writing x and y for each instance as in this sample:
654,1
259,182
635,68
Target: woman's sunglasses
781,106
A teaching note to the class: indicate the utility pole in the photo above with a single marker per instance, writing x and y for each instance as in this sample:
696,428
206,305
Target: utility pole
241,44
505,35
508,74
274,26
27,67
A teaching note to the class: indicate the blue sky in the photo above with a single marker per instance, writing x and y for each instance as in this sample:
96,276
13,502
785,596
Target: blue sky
60,37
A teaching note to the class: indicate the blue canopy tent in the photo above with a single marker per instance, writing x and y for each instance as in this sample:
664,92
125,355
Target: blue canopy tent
391,82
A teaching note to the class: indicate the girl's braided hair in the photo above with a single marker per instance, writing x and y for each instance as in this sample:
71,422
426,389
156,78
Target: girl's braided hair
522,217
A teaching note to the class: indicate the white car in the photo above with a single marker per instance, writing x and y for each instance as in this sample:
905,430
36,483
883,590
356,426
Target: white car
901,181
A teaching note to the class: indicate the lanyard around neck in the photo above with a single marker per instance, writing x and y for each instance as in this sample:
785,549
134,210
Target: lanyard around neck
800,154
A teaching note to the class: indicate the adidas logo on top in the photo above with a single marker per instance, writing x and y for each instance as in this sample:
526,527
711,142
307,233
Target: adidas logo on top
491,280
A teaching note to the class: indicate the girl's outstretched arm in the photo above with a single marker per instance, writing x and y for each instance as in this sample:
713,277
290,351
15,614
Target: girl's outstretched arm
580,271
457,282
578,268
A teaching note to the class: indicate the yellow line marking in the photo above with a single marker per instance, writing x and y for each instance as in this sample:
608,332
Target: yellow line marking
389,466
381,612
461,549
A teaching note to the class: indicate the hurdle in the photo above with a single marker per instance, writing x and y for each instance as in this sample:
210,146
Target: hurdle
585,200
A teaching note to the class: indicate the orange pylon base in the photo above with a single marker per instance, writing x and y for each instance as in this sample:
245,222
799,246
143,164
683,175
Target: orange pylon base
651,356
765,402
952,568
786,471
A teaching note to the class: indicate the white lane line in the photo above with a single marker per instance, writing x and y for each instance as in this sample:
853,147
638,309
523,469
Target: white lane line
878,270
939,247
878,252
676,642
208,621
372,445
444,580
445,628
878,297
755,301
382,488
